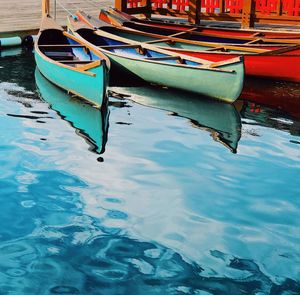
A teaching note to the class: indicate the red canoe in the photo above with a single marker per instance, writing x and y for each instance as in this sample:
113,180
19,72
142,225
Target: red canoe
280,64
222,32
274,65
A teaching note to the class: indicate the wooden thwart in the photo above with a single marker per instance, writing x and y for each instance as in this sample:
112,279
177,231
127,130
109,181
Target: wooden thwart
76,61
183,33
164,58
159,40
254,41
282,50
120,46
62,45
220,48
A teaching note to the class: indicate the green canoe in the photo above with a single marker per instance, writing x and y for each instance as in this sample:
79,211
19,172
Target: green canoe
221,80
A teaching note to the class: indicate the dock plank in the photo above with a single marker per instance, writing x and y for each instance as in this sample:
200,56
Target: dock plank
16,15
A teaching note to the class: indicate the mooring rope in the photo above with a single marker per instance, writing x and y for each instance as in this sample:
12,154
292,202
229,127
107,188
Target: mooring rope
92,2
77,7
95,3
63,7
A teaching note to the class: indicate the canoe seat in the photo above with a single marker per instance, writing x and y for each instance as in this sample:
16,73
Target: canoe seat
163,58
220,48
61,45
76,61
122,46
58,55
177,58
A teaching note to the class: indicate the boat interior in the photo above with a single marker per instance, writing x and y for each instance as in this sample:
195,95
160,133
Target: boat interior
131,50
194,36
55,45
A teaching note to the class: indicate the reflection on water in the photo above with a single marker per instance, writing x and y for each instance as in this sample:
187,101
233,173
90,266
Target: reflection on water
169,211
264,116
275,105
13,51
278,95
120,265
202,113
90,122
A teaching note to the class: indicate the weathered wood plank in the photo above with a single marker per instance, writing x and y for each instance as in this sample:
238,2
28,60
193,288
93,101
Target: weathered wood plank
16,15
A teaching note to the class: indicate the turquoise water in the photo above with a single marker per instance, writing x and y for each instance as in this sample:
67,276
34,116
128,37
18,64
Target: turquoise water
160,197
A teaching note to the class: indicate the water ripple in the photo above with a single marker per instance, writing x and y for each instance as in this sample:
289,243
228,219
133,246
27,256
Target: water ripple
166,210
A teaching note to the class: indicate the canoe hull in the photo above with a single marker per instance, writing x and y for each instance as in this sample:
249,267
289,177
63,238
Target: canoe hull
203,29
278,67
196,34
273,66
92,88
222,85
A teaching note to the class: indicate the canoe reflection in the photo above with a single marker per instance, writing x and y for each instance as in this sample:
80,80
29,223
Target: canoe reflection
220,119
281,95
274,104
90,123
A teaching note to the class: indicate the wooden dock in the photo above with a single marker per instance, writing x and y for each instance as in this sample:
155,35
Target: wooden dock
23,17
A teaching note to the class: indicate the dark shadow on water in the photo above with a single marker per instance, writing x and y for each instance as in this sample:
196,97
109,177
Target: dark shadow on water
17,66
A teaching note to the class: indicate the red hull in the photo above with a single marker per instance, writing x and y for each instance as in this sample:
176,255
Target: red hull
226,32
222,32
279,67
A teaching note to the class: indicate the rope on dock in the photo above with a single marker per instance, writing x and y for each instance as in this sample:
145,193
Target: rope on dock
77,7
63,7
94,3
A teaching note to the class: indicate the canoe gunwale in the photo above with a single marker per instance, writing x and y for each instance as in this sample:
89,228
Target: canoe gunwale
92,64
211,67
205,63
168,38
62,65
49,24
113,17
96,52
50,69
255,31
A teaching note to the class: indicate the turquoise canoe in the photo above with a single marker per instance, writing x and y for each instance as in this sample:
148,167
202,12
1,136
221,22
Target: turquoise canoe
90,123
67,62
221,120
221,80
